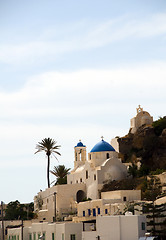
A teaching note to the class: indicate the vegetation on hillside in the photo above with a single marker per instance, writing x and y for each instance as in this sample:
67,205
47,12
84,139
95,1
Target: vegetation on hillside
17,211
159,125
155,213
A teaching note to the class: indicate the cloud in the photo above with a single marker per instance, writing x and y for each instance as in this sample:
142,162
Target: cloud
83,104
74,94
92,36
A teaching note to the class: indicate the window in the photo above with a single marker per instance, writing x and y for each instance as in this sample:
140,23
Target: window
106,211
38,236
83,213
77,181
72,237
44,236
17,237
89,212
94,212
143,226
98,210
95,177
63,236
30,236
89,156
107,156
86,174
80,179
34,236
124,199
53,238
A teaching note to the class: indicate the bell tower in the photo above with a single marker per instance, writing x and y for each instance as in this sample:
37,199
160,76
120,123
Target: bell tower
80,154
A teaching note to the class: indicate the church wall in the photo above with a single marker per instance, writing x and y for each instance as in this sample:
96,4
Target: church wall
115,144
97,158
112,170
89,176
80,156
81,174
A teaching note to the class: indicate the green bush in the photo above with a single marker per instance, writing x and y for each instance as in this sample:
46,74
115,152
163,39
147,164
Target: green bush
159,125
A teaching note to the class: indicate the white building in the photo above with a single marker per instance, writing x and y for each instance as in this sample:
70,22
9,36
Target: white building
48,231
105,228
102,164
116,228
85,181
111,203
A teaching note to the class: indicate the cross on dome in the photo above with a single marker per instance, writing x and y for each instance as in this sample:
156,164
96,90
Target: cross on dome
102,138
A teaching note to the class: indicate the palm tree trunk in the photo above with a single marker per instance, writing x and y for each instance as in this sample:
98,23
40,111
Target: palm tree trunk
48,171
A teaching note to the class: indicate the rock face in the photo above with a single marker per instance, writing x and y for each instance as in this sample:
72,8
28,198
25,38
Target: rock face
144,144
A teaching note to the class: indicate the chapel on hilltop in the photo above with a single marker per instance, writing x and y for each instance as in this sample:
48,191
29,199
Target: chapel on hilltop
142,118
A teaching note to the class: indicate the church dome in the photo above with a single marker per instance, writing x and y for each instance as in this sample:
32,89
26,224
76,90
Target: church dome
102,146
80,144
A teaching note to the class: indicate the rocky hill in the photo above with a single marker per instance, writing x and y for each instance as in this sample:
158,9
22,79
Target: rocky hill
147,145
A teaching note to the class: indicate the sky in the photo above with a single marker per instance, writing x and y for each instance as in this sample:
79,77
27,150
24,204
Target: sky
73,70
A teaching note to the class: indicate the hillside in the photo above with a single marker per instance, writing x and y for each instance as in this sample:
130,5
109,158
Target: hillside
147,144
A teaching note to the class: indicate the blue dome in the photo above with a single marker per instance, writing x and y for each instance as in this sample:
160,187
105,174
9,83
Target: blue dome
102,146
80,144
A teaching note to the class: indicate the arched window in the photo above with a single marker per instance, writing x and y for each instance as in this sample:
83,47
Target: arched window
108,155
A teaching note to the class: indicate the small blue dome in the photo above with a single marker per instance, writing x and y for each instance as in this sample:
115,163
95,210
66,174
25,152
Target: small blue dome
80,144
102,146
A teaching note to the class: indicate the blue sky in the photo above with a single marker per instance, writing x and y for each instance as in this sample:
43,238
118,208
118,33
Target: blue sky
73,70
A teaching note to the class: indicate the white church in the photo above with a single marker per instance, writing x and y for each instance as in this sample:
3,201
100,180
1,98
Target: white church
84,181
102,164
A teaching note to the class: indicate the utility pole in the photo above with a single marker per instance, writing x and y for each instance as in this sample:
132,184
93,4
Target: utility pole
3,237
22,226
55,207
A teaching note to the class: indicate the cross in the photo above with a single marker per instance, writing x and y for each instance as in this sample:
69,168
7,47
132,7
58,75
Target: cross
139,109
102,138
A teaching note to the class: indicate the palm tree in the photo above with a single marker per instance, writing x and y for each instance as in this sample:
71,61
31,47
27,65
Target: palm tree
61,173
48,145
